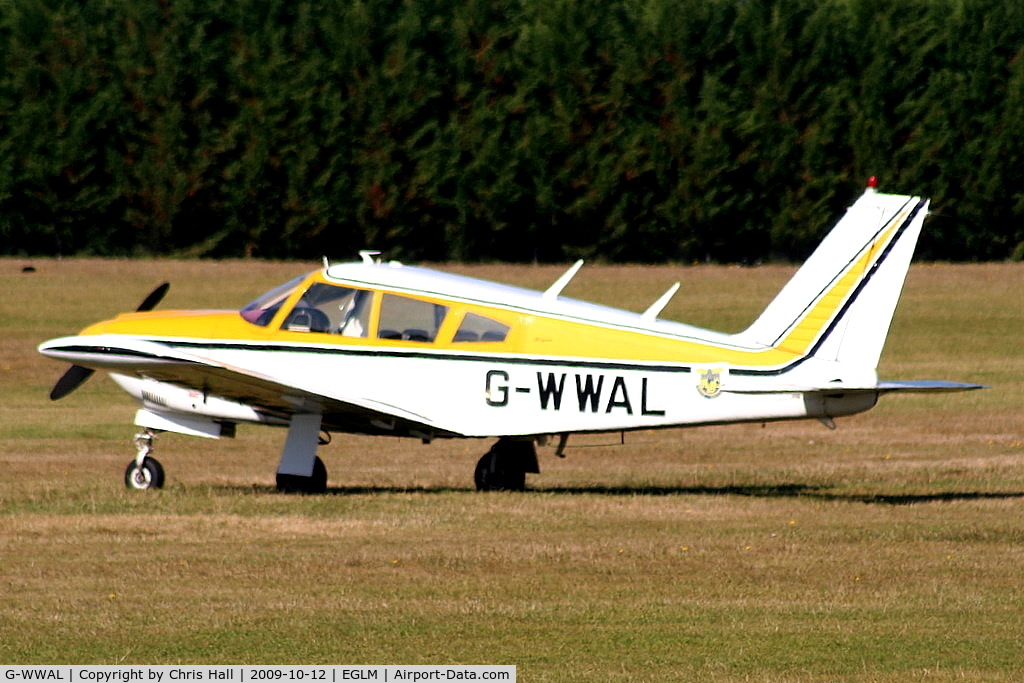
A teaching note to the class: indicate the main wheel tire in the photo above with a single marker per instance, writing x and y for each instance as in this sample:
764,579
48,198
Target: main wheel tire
316,483
150,475
497,472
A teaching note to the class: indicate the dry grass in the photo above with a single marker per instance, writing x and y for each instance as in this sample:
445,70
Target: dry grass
889,549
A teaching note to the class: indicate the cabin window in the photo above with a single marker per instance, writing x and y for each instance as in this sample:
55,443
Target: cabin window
263,309
478,328
331,309
409,319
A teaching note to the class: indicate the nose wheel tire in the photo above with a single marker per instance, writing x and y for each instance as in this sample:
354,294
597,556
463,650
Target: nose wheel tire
148,475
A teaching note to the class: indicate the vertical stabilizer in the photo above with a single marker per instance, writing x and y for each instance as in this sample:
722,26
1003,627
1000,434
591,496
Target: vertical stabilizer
840,303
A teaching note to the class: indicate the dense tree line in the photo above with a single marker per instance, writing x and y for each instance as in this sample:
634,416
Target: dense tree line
642,130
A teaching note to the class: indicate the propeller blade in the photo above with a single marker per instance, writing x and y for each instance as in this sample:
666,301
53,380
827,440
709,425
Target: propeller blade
155,297
76,374
70,381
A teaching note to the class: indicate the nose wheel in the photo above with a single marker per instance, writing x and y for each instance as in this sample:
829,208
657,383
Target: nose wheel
144,472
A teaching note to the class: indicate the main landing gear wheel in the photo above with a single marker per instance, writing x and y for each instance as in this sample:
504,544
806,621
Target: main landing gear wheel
148,475
504,467
293,483
144,472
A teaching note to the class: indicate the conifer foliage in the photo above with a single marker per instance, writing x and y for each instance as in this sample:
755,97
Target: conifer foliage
625,130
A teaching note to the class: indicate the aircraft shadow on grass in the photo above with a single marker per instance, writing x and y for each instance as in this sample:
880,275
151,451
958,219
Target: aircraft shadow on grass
807,491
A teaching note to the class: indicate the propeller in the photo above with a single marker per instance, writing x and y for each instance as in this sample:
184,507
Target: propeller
77,374
155,297
69,381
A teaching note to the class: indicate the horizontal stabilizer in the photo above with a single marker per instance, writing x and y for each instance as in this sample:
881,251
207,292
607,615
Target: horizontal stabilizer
911,386
927,386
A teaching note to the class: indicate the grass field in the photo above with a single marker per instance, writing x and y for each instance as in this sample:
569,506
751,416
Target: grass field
890,549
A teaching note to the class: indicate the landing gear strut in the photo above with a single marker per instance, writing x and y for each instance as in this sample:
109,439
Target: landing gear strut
144,472
301,470
504,467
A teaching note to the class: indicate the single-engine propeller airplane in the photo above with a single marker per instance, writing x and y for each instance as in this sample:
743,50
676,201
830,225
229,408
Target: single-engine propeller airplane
381,348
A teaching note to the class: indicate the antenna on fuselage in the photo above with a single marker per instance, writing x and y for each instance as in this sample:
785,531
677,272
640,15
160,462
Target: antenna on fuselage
652,313
367,256
554,290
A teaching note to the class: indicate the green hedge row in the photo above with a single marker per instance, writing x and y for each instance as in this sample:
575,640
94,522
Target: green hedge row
639,130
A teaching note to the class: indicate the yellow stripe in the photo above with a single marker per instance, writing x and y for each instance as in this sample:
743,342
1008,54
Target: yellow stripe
807,331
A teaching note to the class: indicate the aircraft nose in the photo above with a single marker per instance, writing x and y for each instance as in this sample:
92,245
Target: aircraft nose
57,348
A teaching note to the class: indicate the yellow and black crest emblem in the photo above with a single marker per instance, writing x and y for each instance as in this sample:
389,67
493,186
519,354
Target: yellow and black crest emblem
710,383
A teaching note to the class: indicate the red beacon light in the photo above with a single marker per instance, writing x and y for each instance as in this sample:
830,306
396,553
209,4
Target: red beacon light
873,183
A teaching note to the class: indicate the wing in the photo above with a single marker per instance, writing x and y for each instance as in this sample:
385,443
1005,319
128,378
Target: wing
267,395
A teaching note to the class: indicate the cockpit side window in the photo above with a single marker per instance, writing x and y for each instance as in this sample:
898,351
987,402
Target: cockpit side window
263,309
331,309
409,319
477,328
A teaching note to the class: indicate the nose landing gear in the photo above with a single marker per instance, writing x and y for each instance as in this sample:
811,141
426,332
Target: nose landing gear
144,472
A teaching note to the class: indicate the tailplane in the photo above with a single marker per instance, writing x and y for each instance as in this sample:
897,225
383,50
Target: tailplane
840,303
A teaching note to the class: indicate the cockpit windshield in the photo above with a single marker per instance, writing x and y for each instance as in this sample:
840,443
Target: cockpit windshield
263,309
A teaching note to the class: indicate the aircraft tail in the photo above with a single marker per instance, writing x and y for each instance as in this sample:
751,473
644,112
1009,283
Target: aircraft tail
840,303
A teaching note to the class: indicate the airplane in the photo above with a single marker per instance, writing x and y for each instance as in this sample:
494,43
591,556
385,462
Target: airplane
377,347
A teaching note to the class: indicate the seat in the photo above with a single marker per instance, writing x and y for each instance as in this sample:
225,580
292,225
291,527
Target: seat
414,334
307,319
